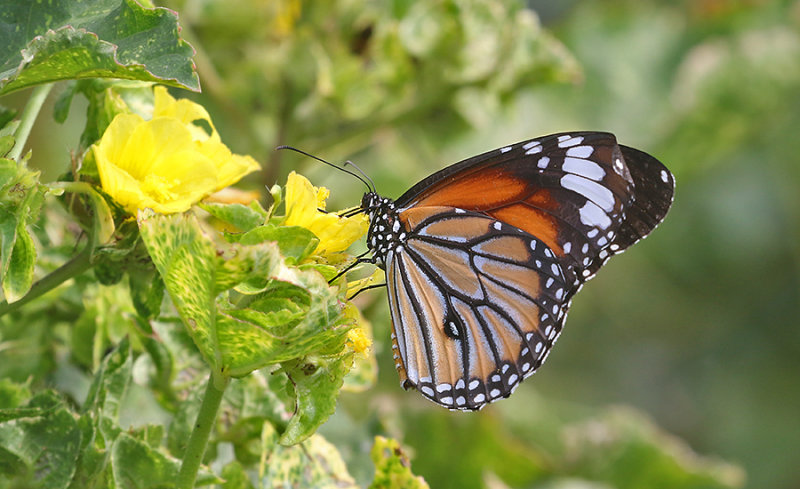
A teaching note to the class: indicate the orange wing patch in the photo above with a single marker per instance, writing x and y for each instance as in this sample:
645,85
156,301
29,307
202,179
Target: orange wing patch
534,221
482,190
509,200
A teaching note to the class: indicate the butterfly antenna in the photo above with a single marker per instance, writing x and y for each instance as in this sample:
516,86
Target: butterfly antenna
373,188
365,182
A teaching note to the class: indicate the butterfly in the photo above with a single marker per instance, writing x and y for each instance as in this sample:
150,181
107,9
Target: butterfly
483,258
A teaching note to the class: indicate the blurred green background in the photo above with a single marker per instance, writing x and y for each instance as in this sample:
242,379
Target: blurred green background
696,327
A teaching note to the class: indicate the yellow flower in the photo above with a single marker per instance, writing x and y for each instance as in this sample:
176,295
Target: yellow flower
358,340
360,337
167,163
303,202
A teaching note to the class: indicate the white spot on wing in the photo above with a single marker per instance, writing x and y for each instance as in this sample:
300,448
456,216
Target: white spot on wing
593,191
569,141
531,144
580,151
664,176
543,162
593,216
585,168
506,149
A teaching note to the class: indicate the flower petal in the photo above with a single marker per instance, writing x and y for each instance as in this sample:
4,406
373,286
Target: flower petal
335,233
169,162
186,112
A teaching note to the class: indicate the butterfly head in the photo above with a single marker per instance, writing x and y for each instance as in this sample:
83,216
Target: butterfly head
385,230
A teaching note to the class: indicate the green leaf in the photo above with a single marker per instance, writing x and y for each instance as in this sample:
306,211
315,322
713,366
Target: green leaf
235,476
295,242
251,401
159,368
105,320
97,38
89,470
288,320
41,449
21,197
314,464
33,353
186,260
183,420
103,221
6,143
18,277
137,465
8,168
392,468
243,217
147,290
12,394
6,116
111,381
317,383
107,272
248,268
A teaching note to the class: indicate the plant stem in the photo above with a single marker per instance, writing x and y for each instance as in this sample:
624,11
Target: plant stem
27,119
77,265
196,447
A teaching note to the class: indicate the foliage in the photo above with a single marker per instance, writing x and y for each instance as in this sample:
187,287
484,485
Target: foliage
127,327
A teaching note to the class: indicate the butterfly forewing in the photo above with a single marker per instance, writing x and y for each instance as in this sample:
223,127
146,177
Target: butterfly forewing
574,191
479,305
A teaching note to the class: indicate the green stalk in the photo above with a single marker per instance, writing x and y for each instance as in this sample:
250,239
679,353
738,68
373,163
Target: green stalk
77,265
27,119
196,447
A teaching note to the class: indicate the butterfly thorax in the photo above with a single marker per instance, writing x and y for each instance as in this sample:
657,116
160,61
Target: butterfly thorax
385,230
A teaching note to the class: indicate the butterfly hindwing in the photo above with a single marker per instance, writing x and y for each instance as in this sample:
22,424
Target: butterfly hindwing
476,305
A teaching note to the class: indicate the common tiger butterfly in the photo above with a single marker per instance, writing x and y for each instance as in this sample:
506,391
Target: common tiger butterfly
482,258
